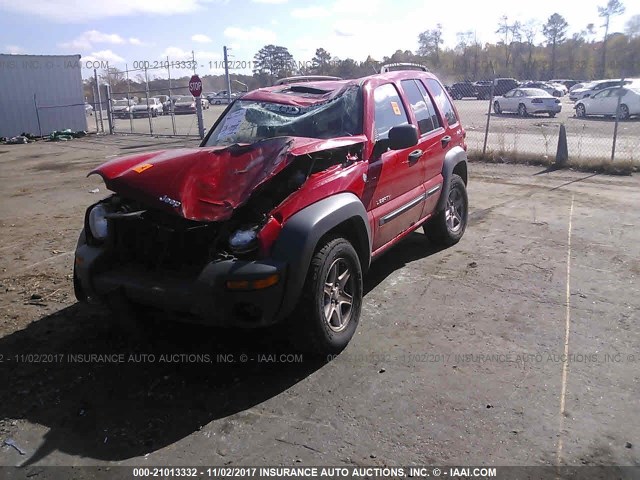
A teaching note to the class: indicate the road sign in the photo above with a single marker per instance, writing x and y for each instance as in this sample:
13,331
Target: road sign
195,86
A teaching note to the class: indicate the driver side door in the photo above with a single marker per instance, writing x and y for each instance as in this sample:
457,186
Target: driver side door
394,193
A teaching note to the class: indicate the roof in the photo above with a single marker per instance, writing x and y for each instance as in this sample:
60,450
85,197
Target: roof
309,93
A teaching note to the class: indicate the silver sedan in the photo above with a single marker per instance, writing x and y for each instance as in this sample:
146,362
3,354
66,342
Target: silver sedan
527,101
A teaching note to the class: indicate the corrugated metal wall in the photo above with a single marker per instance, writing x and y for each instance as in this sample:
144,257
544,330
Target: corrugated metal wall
56,82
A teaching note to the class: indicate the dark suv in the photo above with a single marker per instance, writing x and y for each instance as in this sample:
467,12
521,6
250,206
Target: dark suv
463,90
500,87
280,211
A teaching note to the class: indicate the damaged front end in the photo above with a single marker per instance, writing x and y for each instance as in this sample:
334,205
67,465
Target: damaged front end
192,230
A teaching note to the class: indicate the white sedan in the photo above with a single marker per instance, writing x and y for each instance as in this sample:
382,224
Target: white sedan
605,103
526,101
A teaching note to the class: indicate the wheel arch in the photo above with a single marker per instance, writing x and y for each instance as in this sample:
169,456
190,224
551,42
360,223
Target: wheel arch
342,214
455,162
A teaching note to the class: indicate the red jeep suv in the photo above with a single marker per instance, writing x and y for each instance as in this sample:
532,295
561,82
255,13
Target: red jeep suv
279,212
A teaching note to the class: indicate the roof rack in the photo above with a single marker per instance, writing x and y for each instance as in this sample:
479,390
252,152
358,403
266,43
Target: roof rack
393,67
306,78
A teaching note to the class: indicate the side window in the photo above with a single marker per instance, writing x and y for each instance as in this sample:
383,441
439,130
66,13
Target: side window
421,106
442,101
432,110
389,111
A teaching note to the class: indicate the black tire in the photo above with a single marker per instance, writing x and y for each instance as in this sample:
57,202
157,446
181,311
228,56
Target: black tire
522,110
581,112
447,226
496,108
551,115
623,112
457,96
310,329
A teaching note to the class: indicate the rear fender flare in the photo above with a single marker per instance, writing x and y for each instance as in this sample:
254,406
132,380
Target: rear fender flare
456,157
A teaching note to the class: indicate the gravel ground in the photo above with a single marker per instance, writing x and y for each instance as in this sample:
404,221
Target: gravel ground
458,360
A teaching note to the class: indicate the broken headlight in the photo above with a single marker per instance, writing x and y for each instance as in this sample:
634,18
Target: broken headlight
244,240
98,221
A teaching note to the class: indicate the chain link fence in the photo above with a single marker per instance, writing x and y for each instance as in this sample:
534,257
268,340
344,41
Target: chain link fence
502,130
147,100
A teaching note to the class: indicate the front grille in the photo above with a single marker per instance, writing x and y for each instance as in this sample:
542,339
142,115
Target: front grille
159,241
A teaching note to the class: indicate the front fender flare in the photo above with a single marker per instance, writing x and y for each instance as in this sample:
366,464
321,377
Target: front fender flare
454,157
302,233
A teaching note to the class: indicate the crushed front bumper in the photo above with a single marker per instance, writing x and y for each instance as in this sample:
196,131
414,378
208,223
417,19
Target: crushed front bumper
206,296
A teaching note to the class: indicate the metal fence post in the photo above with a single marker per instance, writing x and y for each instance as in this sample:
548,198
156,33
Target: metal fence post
617,117
173,118
35,104
486,129
198,102
95,106
146,82
95,76
126,66
109,112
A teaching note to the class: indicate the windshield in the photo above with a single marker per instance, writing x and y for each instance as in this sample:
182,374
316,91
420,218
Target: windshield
185,100
249,121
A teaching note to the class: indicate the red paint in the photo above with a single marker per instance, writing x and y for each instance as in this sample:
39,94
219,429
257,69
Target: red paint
210,182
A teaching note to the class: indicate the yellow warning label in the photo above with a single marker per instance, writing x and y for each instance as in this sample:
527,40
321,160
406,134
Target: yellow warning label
142,168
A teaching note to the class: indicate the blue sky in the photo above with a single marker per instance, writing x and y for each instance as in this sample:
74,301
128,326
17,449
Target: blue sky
127,31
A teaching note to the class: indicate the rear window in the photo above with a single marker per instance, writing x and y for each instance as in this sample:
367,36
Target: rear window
422,107
442,101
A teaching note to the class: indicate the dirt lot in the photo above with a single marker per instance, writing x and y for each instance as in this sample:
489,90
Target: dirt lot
458,359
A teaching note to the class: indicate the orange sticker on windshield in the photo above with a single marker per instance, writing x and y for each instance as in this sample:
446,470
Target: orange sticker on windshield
396,108
142,168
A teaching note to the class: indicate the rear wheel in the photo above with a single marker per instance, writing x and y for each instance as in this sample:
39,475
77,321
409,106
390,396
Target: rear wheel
447,226
496,108
522,110
328,311
623,112
551,114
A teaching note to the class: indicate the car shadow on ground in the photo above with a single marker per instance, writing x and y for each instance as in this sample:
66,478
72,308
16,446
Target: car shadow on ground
143,393
146,391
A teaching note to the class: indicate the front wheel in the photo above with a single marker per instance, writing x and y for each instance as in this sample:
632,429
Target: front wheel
328,311
496,108
447,226
551,114
581,112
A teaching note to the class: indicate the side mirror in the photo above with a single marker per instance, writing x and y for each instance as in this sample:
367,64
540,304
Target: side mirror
403,136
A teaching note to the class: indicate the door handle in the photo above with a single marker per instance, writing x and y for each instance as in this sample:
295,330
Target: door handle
445,141
414,156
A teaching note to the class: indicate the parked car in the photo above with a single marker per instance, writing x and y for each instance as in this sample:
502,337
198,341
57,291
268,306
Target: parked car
278,214
564,81
462,90
605,103
184,104
527,101
500,87
122,108
222,98
204,102
547,87
145,108
594,87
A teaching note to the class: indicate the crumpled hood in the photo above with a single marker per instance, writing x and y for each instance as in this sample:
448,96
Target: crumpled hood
206,183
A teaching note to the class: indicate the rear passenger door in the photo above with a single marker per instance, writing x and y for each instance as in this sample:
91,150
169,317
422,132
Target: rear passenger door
394,189
433,142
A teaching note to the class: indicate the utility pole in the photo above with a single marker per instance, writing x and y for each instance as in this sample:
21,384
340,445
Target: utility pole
226,73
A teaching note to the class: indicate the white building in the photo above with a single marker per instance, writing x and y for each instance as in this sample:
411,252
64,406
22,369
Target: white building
40,94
